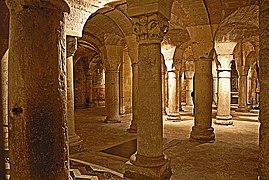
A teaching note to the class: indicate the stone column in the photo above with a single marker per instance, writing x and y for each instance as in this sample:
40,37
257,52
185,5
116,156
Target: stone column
202,129
112,96
225,56
178,71
163,89
189,87
252,87
215,84
37,90
4,27
168,52
242,94
149,162
166,90
89,87
264,84
75,143
121,89
173,110
133,126
133,54
112,65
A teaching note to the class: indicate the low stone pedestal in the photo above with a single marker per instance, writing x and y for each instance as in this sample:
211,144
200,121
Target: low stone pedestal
174,117
112,120
75,144
224,120
202,135
148,173
242,109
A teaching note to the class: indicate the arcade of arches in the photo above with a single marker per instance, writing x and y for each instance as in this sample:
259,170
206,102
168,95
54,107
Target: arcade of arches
181,80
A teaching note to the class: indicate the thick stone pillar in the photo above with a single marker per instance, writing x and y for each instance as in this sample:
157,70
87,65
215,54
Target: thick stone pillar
225,56
133,125
189,87
75,143
178,71
215,84
112,96
224,97
202,129
168,52
164,69
173,109
133,54
37,90
112,65
252,87
242,94
89,87
125,84
149,162
264,84
121,89
165,90
4,27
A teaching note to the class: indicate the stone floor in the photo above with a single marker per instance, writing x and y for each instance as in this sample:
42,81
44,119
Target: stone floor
234,155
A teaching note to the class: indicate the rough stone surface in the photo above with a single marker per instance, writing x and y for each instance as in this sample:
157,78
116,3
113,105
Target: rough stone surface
264,100
37,89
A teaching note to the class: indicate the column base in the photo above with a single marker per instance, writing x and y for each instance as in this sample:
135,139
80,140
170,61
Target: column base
174,117
132,128
224,120
202,135
112,120
75,144
188,108
147,172
242,109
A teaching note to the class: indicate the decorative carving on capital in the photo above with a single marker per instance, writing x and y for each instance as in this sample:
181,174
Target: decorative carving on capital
71,45
150,28
112,63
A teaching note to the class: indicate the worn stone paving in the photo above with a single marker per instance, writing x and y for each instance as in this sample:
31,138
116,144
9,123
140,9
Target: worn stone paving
80,170
234,154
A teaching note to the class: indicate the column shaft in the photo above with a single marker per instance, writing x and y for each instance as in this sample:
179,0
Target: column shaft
179,87
189,89
112,96
202,129
121,89
173,110
149,102
224,97
89,88
37,90
264,84
163,92
242,94
75,143
133,126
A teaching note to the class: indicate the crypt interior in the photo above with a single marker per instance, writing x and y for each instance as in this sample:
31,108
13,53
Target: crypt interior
134,89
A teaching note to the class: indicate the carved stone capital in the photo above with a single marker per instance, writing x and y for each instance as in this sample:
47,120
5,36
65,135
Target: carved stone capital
19,5
112,63
150,28
72,44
